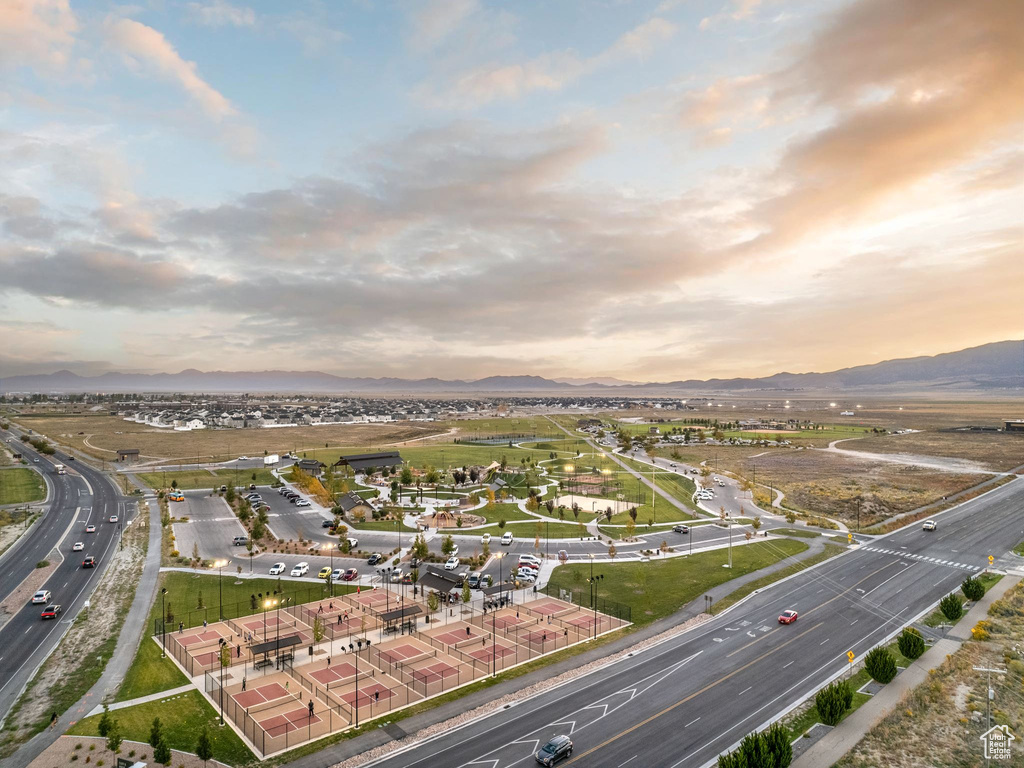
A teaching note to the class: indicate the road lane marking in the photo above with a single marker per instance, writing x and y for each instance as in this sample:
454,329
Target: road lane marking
788,665
634,757
888,580
692,722
745,690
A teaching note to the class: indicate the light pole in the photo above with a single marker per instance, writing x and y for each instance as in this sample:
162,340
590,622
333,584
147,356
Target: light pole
219,565
163,624
330,579
268,603
494,641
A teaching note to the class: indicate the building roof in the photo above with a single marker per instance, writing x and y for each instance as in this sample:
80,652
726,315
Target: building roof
362,461
127,451
310,463
405,612
437,582
351,500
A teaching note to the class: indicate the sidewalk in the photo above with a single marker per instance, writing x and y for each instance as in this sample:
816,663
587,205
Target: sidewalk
124,653
845,736
143,699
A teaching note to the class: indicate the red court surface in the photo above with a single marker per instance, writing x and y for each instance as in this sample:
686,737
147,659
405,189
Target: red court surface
260,694
210,657
487,652
399,653
272,623
458,636
366,694
548,607
374,598
433,672
538,637
501,622
290,721
329,675
207,636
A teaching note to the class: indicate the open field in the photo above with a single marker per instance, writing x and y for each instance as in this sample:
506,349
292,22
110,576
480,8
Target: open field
633,584
999,451
101,436
19,485
190,479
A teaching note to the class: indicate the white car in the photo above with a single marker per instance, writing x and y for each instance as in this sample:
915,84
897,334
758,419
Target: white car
243,458
302,503
455,550
353,544
77,546
396,576
337,573
113,518
507,538
529,559
452,563
300,570
526,574
42,596
485,539
276,569
930,525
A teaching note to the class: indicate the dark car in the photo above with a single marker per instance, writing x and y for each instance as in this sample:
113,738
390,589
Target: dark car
374,559
559,748
89,562
326,523
680,529
50,612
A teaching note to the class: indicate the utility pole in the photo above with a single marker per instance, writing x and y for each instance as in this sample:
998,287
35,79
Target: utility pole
989,695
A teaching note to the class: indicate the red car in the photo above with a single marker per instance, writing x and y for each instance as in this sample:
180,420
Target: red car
787,617
350,575
50,612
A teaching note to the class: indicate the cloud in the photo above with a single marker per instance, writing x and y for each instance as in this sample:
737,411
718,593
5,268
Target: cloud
220,13
37,33
550,71
149,47
434,21
736,10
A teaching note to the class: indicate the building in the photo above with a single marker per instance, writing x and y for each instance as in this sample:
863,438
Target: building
128,455
351,503
361,462
311,466
1013,425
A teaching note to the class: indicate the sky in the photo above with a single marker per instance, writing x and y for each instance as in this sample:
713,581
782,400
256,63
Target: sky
460,188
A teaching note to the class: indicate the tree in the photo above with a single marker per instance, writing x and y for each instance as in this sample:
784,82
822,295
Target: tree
155,732
162,752
910,643
406,477
433,602
114,737
951,606
466,594
549,505
632,514
174,484
195,556
501,523
880,665
832,702
630,529
204,749
779,745
973,589
318,631
755,523
103,726
611,550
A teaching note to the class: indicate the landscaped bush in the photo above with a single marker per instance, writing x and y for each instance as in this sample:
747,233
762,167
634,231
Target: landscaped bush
973,589
768,749
952,607
880,665
833,701
910,643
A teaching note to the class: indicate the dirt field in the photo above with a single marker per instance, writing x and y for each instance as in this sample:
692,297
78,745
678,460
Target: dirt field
940,722
101,436
999,451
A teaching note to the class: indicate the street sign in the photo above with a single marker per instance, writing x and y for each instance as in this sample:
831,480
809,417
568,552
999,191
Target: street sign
850,656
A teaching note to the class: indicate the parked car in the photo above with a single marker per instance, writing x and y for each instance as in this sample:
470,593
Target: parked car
89,562
526,574
475,579
930,525
485,539
324,572
559,748
240,541
530,559
788,617
50,612
452,563
277,569
77,546
300,569
350,575
455,550
40,597
374,559
90,529
507,538
302,503
337,574
527,564
680,529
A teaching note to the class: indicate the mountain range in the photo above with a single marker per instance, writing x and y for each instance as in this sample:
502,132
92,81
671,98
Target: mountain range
990,366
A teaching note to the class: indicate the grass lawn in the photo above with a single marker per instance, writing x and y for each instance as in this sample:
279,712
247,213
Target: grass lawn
183,718
636,584
191,479
803,534
183,590
803,722
679,487
149,673
528,531
831,550
935,618
1019,549
20,485
378,525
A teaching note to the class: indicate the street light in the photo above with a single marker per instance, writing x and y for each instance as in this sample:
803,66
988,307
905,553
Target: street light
330,579
163,624
268,603
219,565
494,641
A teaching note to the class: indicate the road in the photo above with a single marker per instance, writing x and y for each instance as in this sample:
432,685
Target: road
81,497
689,699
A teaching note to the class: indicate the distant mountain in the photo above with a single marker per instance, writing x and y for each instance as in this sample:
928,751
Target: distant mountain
996,365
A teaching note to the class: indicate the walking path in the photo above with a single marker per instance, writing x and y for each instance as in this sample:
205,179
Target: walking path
127,644
144,699
845,736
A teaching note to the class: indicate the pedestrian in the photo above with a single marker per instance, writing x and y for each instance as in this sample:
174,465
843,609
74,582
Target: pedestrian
567,633
238,651
204,623
468,633
339,619
243,683
286,684
310,707
483,641
376,696
330,606
544,638
181,627
328,661
53,721
321,610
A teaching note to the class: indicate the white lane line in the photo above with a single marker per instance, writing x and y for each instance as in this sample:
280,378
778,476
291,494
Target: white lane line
787,665
854,622
694,721
634,757
824,641
889,579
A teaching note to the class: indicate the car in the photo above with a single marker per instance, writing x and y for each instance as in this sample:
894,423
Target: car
455,550
507,538
475,580
324,572
788,617
240,541
451,563
252,486
72,458
529,559
337,574
326,523
276,569
50,612
302,503
721,483
407,578
174,496
396,576
563,555
223,489
243,458
526,573
353,544
89,562
930,525
558,748
112,519
485,539
36,461
680,529
350,575
77,546
40,597
374,559
527,564
90,528
301,569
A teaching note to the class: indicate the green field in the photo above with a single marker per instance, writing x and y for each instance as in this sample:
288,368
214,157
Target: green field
640,585
149,673
183,717
19,485
527,531
191,479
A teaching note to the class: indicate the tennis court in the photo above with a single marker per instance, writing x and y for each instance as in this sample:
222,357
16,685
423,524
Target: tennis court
333,673
259,695
433,671
491,650
549,607
209,635
459,634
396,654
370,693
371,599
277,725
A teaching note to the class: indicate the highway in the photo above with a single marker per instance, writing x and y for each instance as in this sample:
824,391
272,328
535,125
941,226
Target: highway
82,496
687,700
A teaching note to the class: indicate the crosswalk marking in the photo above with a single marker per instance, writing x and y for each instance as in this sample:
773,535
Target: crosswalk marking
924,558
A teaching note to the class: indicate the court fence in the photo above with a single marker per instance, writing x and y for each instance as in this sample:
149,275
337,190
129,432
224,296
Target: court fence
585,599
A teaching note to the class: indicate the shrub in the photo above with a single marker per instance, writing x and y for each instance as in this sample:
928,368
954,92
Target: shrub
910,643
980,631
880,665
832,702
973,589
42,563
175,553
162,753
777,738
951,606
767,748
